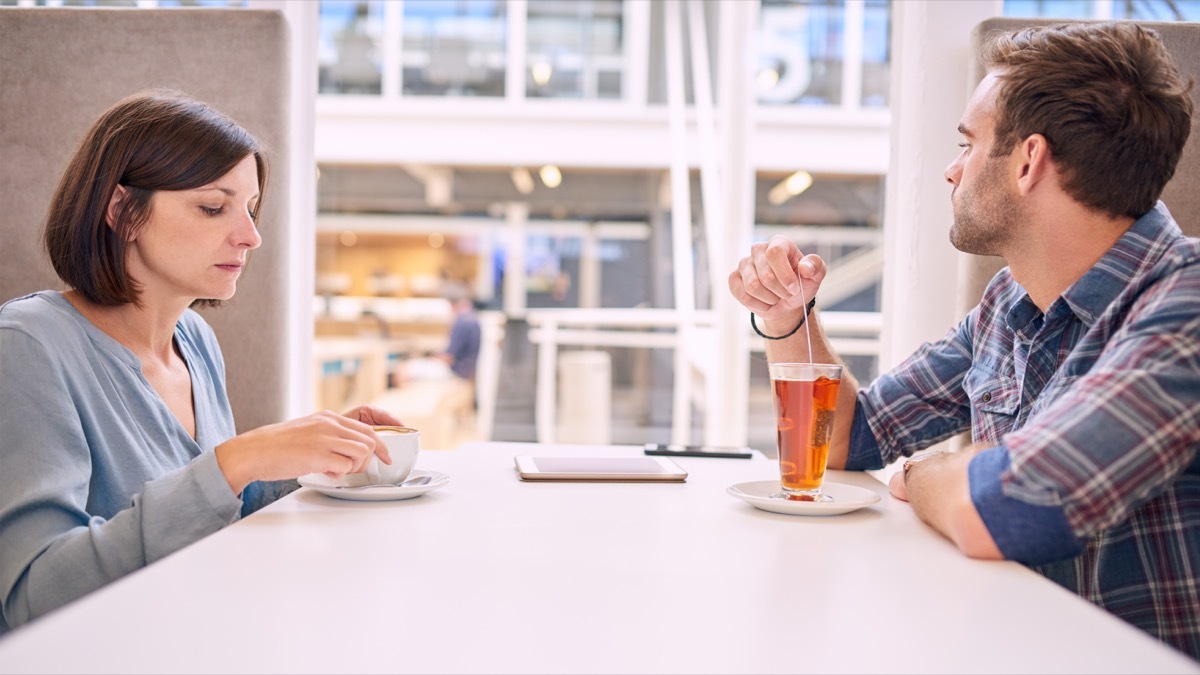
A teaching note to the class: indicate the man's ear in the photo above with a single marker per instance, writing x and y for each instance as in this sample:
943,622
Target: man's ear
1034,163
111,214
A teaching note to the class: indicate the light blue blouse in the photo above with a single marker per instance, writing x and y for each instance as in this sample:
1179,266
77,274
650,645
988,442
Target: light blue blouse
97,476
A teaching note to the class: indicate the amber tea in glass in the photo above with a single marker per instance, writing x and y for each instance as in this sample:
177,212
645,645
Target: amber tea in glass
805,402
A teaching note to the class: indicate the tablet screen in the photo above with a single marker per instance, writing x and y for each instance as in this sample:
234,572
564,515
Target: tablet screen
598,465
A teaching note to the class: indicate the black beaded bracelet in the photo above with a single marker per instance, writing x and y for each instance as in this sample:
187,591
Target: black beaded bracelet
807,310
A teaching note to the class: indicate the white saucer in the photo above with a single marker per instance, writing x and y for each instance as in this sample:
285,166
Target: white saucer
846,498
329,486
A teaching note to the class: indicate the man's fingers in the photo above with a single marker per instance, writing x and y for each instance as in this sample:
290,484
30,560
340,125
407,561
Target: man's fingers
738,289
780,257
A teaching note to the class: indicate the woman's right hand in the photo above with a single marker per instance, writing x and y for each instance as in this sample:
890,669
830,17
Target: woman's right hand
324,442
768,281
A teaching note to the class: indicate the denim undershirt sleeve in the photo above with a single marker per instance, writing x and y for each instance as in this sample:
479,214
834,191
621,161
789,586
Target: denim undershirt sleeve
864,449
1023,532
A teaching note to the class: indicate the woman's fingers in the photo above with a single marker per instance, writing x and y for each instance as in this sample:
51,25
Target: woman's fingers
371,415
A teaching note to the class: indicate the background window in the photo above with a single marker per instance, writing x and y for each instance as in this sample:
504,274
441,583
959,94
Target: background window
575,49
454,47
348,50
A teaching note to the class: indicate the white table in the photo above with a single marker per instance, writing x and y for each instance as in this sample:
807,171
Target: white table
491,574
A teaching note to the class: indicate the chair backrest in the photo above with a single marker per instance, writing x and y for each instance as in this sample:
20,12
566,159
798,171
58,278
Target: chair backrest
1182,194
60,68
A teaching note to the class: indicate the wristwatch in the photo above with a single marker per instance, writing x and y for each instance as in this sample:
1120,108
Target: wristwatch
908,464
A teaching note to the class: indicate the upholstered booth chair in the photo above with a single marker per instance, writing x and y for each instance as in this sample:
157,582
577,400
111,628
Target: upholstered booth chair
1182,194
60,68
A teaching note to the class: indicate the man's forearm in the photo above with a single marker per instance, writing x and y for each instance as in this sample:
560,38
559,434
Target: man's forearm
939,490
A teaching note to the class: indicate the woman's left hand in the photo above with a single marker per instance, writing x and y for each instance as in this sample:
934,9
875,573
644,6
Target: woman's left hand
369,414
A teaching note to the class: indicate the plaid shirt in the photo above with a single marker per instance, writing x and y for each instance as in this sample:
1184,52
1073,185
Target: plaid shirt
1094,411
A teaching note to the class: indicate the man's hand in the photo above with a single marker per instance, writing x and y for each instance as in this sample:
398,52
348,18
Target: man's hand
768,281
938,488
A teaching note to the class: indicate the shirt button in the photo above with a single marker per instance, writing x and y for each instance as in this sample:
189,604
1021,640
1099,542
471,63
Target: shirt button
987,397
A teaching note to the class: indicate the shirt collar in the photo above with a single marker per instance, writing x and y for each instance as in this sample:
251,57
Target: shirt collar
1135,252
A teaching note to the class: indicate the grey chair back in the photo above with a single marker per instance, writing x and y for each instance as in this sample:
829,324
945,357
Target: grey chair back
60,68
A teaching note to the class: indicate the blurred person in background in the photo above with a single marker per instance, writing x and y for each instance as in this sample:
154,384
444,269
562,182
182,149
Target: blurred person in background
462,352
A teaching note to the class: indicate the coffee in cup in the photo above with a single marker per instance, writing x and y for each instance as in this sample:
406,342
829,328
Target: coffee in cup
403,444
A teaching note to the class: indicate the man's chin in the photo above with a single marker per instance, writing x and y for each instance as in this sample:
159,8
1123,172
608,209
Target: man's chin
967,244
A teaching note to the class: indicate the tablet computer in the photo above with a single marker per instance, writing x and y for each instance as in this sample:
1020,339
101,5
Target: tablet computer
612,469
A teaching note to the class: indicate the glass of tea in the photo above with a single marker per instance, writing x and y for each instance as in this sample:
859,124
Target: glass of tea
805,401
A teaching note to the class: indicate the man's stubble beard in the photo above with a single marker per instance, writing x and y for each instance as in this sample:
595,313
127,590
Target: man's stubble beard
986,217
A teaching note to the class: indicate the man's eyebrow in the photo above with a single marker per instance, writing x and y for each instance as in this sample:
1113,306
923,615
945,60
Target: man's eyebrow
964,131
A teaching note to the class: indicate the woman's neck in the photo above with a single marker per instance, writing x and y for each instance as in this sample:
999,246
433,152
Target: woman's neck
147,330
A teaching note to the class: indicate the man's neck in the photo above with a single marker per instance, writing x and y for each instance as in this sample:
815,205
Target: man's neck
1061,249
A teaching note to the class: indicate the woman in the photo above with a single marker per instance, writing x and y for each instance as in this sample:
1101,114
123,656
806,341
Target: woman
117,442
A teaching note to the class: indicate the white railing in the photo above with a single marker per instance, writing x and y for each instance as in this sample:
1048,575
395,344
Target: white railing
851,333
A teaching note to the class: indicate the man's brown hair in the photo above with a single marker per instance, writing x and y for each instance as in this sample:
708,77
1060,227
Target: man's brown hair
1109,101
157,140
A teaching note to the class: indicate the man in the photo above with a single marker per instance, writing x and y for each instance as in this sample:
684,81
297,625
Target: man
463,349
1078,373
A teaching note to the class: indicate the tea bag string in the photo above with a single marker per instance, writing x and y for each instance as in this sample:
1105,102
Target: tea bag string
804,319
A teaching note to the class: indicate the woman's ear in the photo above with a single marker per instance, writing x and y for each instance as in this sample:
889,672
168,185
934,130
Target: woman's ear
113,211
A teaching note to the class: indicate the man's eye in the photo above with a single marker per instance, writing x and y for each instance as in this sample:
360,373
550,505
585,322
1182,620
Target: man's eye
212,211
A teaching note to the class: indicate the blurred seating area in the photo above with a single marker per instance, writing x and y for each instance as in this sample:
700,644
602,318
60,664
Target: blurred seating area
379,351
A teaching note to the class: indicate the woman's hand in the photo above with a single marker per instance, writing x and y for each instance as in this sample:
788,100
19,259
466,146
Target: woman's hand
325,442
369,414
768,281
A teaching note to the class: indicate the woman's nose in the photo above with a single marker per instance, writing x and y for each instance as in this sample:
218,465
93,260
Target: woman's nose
247,234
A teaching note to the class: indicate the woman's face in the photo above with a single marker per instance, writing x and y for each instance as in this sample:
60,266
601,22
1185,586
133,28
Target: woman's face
195,243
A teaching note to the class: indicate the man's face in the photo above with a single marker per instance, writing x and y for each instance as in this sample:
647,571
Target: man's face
986,211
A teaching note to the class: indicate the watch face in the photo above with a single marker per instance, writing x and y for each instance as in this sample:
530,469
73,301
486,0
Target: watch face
908,464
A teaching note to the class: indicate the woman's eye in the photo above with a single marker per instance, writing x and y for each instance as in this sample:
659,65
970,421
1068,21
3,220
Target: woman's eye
212,211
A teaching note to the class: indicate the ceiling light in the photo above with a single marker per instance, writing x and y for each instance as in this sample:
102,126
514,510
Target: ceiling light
541,72
551,176
789,187
522,180
436,240
348,238
767,79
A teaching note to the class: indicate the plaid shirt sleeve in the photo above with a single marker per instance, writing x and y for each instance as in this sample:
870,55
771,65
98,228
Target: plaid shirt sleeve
917,404
1119,434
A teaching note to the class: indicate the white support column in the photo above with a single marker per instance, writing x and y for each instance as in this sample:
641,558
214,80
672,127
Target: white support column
392,50
929,90
517,216
636,53
546,396
485,271
516,50
729,383
852,54
301,241
589,268
681,222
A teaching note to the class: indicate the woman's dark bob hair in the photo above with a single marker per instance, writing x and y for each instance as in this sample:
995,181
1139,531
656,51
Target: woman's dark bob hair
155,140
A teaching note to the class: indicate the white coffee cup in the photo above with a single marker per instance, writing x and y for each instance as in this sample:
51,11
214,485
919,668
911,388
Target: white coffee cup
403,444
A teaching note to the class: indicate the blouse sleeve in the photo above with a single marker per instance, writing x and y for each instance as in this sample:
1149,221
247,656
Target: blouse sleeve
54,550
